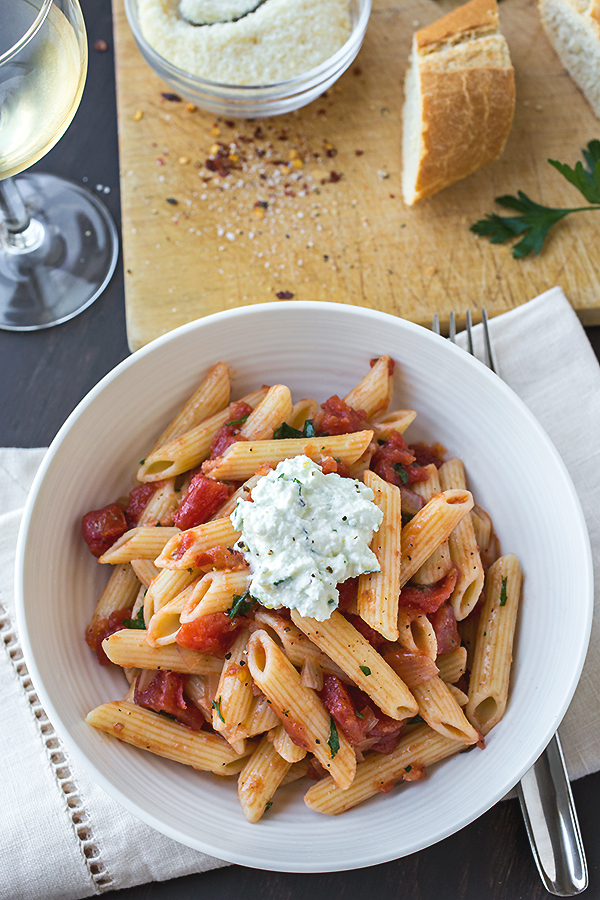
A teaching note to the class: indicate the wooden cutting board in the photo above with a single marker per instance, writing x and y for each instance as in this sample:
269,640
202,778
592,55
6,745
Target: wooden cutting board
312,205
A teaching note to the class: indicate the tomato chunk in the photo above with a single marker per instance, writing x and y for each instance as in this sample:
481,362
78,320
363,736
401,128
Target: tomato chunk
336,417
102,527
165,694
429,597
394,462
444,625
202,500
228,433
138,500
213,634
103,628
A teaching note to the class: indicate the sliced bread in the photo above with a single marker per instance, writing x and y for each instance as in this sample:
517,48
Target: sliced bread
573,27
460,99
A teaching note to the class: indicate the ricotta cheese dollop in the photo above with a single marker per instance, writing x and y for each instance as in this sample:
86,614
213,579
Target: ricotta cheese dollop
303,532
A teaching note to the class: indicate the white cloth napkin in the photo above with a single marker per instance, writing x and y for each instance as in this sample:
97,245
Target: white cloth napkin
63,838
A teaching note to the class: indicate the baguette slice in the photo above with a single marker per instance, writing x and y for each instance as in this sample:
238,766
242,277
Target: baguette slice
573,27
460,99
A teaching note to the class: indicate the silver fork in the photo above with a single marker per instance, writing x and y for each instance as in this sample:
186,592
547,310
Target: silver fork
544,791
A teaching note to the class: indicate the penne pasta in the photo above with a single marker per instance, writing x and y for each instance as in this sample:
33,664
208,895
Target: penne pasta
441,711
378,591
431,525
372,394
144,542
183,548
490,674
129,647
415,632
259,779
439,563
361,662
299,708
210,398
241,460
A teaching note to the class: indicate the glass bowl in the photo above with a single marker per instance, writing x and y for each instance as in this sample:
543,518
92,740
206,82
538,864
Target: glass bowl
256,101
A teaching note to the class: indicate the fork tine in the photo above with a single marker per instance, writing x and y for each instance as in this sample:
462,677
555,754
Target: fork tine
452,330
491,360
435,325
470,333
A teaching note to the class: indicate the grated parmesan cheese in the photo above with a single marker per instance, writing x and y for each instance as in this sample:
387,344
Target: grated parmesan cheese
279,40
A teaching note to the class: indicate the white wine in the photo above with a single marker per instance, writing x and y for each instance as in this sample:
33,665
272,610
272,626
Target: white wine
41,85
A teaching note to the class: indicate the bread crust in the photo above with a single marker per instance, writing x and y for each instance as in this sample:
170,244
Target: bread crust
474,19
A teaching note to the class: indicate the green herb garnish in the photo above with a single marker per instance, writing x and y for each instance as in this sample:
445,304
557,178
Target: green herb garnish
216,705
415,720
286,431
365,670
334,738
242,603
238,421
401,471
536,220
503,597
269,805
359,714
138,622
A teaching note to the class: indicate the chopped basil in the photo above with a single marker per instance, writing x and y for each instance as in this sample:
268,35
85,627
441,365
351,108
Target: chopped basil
269,805
238,421
334,739
401,471
415,720
365,670
242,603
503,597
138,622
359,714
285,431
407,768
216,704
142,461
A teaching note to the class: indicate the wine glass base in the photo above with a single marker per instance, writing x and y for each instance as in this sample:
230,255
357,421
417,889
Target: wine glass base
62,262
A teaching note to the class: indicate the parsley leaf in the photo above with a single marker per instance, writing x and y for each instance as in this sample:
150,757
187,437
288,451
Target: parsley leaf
503,597
216,704
536,220
286,431
138,622
401,471
242,603
365,670
238,421
334,738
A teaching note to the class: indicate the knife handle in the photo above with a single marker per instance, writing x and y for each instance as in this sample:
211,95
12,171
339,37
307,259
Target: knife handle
551,822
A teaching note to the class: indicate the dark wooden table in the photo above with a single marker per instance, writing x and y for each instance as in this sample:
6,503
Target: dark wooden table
45,374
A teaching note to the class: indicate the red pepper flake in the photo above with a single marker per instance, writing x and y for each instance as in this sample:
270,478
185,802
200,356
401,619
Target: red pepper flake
259,133
392,196
230,123
172,201
173,98
283,135
160,161
261,204
333,177
284,295
359,152
100,46
357,70
321,112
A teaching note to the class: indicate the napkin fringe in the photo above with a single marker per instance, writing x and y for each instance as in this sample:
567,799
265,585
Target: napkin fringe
59,762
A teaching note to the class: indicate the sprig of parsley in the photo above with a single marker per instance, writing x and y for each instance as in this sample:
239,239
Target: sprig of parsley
535,220
286,431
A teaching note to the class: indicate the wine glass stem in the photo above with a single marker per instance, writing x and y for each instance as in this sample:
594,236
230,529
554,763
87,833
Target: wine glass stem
12,209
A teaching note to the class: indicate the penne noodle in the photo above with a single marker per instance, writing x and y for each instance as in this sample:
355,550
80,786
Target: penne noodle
372,393
129,647
441,711
151,731
242,493
162,504
297,647
378,591
301,412
299,708
214,592
120,593
269,414
452,665
165,587
396,420
430,527
490,673
285,745
260,718
242,459
463,548
415,632
460,696
211,396
440,562
420,746
183,548
259,779
233,700
144,542
361,662
145,570
189,449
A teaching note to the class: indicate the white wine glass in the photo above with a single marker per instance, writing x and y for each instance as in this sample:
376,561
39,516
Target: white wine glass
58,242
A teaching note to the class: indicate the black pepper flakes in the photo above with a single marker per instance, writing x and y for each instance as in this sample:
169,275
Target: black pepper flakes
173,98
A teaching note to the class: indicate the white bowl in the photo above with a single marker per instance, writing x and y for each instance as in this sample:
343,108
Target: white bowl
317,349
